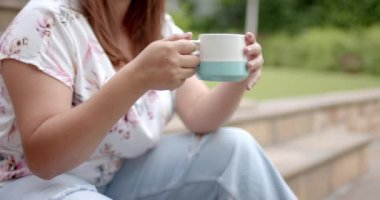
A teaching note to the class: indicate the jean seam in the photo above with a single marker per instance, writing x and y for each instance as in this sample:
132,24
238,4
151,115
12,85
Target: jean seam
220,181
182,185
70,190
225,188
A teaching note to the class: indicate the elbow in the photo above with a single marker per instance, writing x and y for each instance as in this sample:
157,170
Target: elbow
203,129
39,161
44,176
204,124
40,168
41,172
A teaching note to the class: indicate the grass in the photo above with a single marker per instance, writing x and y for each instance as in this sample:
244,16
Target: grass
286,82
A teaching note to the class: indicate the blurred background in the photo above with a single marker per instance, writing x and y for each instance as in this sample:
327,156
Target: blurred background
316,110
332,44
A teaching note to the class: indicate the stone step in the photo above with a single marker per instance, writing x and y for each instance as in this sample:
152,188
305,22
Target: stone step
315,165
276,121
176,125
367,186
12,4
8,10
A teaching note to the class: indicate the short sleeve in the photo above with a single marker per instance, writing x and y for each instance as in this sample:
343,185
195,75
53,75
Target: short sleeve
170,27
39,36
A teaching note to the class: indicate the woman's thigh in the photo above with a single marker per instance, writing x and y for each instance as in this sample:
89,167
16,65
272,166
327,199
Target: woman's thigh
161,169
63,187
227,164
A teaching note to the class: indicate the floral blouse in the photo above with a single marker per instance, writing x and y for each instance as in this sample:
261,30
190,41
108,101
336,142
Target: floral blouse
54,37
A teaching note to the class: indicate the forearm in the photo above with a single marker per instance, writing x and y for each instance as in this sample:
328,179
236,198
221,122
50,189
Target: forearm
65,140
215,107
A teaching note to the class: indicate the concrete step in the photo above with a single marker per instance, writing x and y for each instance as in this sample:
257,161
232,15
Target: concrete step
8,10
276,121
176,125
367,186
315,165
246,105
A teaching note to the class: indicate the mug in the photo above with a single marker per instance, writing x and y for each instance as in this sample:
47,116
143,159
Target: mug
221,57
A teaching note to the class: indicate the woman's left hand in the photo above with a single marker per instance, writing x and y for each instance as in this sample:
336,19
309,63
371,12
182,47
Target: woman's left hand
255,59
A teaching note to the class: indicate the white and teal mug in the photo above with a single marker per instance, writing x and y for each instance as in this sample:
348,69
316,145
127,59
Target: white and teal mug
222,57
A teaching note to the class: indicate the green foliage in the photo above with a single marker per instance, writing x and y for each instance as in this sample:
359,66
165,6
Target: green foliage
328,49
282,15
339,35
227,16
295,15
370,46
322,49
181,20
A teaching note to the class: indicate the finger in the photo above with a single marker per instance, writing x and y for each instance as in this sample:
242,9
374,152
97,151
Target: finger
250,38
182,36
253,79
185,47
187,73
253,50
255,64
189,61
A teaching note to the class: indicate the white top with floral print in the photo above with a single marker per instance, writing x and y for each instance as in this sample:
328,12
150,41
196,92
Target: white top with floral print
57,39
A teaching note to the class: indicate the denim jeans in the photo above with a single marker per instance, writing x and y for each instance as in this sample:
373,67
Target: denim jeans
225,165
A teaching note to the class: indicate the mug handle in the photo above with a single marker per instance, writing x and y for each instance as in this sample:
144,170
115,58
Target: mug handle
197,44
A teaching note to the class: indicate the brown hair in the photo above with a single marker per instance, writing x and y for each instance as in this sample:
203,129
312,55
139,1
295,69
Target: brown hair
142,22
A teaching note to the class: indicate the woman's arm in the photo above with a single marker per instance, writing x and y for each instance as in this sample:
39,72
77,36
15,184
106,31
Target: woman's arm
57,137
203,110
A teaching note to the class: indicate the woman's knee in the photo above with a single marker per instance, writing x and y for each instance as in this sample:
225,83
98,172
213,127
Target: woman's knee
232,137
227,148
85,195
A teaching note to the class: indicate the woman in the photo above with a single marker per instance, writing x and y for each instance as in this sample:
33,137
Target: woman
86,89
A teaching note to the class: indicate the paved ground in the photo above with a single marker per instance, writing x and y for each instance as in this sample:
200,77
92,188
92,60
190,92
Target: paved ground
368,186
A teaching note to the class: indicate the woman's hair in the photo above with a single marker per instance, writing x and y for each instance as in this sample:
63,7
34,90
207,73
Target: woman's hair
142,23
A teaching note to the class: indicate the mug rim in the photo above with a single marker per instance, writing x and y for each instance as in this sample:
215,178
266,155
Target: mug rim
220,34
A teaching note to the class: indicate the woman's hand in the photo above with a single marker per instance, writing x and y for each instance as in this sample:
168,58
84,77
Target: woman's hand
255,59
166,64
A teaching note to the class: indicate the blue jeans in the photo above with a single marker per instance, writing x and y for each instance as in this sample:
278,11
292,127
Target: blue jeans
225,165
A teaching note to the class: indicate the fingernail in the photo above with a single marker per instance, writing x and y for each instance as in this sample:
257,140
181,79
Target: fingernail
246,50
251,66
252,82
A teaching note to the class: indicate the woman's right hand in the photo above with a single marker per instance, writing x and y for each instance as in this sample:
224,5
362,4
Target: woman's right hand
166,64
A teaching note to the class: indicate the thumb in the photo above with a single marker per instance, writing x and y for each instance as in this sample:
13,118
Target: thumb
186,36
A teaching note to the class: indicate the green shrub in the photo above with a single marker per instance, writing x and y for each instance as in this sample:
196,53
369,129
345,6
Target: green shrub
181,18
276,49
295,15
370,46
323,49
328,49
